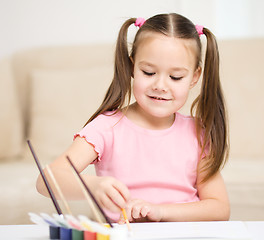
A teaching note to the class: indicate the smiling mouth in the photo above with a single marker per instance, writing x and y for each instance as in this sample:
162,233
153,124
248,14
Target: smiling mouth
159,98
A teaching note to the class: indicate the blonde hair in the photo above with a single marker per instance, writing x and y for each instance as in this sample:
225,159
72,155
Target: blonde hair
208,108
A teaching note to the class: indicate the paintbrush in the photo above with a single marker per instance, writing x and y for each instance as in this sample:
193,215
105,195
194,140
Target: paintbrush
126,219
52,196
89,192
59,190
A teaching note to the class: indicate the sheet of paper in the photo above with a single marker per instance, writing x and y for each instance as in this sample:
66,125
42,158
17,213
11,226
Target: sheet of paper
190,230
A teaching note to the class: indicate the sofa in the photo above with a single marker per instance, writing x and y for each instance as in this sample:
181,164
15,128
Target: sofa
48,93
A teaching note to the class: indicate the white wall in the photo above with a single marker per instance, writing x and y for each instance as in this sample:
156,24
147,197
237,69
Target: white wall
30,23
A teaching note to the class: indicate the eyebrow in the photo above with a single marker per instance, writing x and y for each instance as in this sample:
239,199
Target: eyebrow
144,63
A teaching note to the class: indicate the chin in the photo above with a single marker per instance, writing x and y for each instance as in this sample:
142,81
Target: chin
162,115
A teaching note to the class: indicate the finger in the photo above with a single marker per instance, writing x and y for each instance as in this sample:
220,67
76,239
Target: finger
128,209
136,211
145,210
116,197
122,189
109,204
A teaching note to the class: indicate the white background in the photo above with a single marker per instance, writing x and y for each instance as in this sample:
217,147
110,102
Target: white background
31,23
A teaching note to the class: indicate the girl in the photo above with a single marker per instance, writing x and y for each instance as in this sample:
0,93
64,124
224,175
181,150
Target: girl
156,163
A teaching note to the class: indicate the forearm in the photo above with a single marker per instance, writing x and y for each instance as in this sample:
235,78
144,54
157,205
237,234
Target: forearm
204,210
67,182
82,154
104,189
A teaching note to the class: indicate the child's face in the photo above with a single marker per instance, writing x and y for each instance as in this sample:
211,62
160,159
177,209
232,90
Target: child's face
164,72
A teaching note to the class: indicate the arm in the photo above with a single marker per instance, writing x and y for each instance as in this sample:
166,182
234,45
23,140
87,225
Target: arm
103,188
213,204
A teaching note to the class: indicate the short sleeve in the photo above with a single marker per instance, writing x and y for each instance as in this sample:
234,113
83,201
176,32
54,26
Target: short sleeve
97,134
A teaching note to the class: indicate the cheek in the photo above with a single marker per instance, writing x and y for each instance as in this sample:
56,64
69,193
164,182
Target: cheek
139,86
137,91
181,92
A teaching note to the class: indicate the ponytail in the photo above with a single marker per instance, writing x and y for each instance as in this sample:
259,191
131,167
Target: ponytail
120,89
210,112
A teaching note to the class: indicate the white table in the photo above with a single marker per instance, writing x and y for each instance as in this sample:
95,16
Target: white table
37,232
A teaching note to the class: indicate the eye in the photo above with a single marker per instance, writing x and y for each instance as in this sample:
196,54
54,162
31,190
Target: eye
176,78
148,73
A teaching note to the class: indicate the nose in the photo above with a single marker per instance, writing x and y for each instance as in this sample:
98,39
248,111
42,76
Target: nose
160,84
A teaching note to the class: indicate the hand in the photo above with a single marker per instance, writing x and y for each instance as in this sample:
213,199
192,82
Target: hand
142,211
109,192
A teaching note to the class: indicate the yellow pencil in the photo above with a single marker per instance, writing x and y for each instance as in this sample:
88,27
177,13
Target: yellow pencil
126,219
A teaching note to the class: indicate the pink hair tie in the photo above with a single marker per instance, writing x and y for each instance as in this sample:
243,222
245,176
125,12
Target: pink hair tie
139,22
199,29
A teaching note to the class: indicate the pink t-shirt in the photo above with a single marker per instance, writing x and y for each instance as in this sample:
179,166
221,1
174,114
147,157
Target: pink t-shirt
158,166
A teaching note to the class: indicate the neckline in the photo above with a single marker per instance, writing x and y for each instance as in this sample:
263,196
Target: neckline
147,131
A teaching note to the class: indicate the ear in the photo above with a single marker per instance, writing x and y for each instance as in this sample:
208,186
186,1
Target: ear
196,77
132,66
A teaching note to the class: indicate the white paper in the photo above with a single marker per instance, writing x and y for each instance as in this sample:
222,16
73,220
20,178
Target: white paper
190,230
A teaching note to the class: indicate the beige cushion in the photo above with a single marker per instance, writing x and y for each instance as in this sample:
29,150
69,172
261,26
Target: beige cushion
11,128
242,78
61,103
55,57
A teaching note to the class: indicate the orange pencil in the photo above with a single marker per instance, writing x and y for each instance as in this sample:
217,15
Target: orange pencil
126,219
